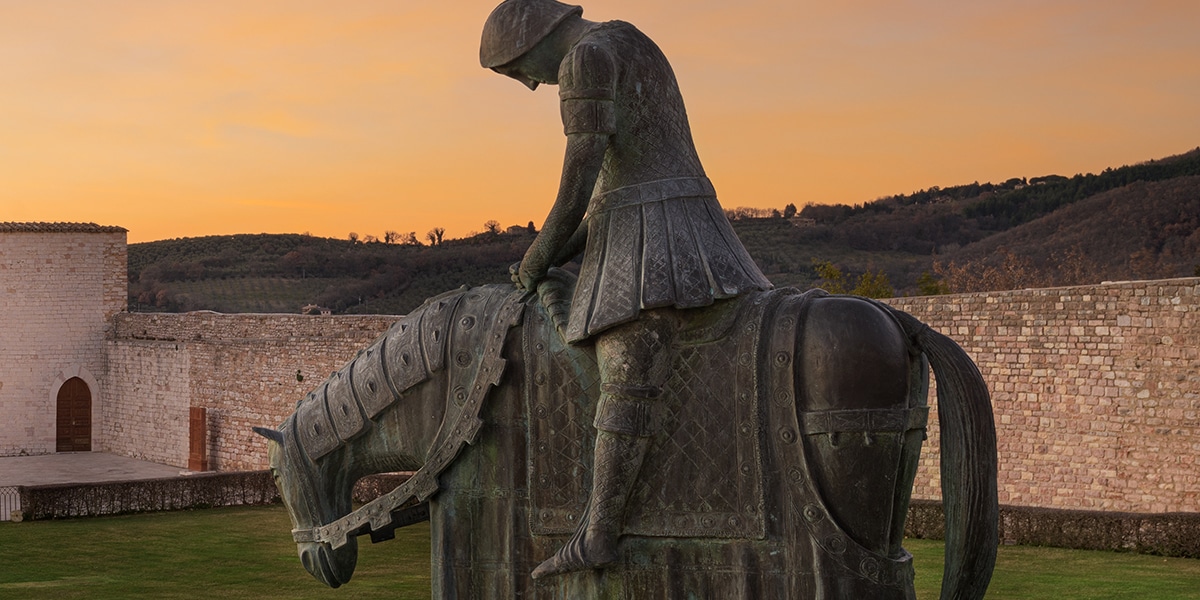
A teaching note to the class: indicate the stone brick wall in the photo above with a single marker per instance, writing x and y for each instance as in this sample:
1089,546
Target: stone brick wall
1094,388
248,370
1096,392
60,284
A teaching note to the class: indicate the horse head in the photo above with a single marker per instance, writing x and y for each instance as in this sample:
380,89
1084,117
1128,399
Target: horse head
315,493
383,412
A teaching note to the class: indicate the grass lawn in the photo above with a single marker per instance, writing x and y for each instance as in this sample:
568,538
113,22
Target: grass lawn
218,554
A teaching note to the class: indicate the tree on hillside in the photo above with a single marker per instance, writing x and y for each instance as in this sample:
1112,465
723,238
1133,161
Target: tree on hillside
531,228
870,285
492,227
390,237
435,235
353,237
409,239
929,285
370,239
1010,272
789,211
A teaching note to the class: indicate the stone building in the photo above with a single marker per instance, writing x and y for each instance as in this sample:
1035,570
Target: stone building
61,284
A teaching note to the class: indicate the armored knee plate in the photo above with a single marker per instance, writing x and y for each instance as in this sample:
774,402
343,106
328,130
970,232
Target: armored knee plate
628,409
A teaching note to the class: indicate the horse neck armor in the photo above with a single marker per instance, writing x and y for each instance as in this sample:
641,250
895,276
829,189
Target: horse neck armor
466,330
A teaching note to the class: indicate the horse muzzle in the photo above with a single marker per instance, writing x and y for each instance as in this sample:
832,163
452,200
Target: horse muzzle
331,567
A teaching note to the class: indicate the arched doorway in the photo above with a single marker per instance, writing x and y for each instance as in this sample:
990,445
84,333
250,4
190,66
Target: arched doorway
74,417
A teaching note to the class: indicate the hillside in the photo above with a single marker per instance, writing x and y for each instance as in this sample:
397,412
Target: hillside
1145,230
1137,221
284,273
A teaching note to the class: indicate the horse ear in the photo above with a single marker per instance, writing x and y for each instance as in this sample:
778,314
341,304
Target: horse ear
270,434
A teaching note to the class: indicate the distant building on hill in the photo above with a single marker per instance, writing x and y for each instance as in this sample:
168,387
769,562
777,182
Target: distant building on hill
313,309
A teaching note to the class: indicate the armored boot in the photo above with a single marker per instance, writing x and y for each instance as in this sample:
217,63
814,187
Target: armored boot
624,428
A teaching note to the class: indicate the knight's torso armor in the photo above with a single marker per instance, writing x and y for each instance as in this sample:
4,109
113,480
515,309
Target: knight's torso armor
657,236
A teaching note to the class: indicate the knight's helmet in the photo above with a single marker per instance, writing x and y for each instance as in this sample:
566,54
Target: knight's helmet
516,26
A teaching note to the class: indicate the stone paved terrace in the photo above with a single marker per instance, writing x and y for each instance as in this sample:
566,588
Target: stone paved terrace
78,467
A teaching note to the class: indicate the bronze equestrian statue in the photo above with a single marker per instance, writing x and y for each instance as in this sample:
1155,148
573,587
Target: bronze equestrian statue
657,248
678,429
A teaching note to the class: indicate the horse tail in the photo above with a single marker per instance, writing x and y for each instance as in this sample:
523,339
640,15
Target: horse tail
968,460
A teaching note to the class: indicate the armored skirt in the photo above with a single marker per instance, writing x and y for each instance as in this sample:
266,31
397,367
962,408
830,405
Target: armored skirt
649,248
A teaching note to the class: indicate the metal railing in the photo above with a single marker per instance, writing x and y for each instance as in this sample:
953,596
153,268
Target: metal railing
10,500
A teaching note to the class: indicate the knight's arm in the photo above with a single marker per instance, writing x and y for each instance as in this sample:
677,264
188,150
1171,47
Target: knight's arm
587,78
574,246
581,167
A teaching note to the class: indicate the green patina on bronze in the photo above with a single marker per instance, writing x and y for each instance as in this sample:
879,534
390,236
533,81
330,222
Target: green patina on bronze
662,426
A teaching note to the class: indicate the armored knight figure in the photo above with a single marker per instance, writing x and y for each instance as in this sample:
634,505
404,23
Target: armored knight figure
635,200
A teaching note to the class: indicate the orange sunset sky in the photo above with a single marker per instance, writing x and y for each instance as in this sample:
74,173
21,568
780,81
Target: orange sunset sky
184,118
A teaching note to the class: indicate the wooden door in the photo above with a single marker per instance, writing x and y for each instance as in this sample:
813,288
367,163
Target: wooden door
74,417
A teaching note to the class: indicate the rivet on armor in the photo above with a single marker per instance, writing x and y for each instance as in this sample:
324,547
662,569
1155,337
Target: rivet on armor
708,522
813,513
783,397
745,359
467,322
837,544
462,358
734,521
869,567
540,412
745,469
782,359
787,434
540,379
539,347
795,475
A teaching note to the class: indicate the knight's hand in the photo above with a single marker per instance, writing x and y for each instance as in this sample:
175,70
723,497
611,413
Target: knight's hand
527,277
514,273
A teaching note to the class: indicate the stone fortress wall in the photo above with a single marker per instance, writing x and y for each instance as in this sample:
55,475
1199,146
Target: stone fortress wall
247,370
60,286
1096,392
1095,388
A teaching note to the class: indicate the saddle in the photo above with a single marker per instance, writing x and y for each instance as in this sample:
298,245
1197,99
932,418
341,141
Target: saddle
711,442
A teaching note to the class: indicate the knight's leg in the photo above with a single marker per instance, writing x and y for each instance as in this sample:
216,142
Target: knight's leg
635,361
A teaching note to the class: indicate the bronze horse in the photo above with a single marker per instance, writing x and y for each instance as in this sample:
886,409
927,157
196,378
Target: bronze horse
784,471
